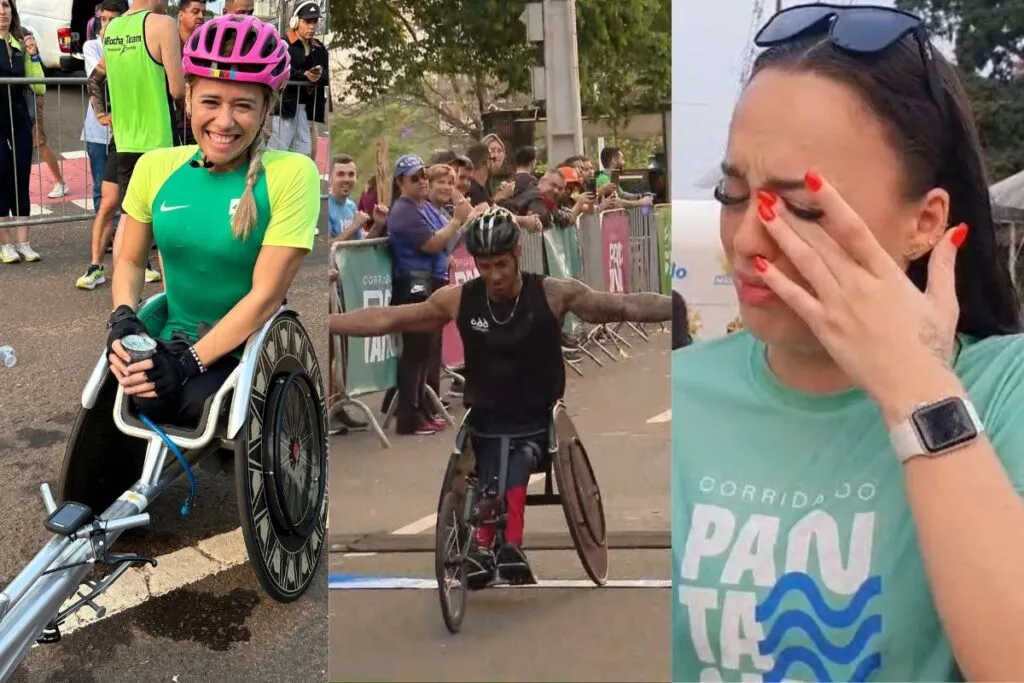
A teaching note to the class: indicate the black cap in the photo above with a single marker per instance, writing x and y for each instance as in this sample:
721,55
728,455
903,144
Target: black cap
308,10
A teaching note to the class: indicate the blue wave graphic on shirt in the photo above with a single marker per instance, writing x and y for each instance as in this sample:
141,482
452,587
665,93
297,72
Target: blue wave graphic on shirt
809,623
839,654
802,583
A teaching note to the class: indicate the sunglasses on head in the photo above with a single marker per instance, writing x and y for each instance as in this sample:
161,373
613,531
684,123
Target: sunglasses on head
860,30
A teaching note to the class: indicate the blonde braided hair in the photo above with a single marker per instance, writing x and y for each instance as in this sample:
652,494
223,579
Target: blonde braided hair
247,214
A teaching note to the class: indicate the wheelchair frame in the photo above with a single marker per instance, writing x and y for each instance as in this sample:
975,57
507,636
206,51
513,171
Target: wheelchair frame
458,498
31,605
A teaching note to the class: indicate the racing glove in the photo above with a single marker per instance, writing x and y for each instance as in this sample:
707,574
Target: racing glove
173,366
123,321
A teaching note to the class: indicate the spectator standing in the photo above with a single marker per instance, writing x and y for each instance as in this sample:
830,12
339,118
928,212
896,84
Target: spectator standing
302,105
15,139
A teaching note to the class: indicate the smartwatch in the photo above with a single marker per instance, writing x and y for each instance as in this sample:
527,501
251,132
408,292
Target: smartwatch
935,429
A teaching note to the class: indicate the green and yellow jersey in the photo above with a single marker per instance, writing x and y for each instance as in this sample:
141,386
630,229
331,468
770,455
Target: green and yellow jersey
207,270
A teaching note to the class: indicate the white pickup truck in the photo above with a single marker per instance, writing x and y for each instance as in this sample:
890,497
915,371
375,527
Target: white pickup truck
59,28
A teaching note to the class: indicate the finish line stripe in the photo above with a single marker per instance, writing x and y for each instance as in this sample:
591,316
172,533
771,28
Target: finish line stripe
349,582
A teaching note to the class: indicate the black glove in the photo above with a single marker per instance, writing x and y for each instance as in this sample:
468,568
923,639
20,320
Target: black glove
123,322
173,365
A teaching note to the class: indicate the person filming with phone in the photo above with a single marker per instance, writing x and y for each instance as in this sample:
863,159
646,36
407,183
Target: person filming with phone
301,105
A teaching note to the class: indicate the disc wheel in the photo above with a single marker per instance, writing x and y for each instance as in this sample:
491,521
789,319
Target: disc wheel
281,464
581,500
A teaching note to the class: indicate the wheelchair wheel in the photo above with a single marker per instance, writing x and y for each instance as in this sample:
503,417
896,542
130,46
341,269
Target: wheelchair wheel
452,541
581,499
100,462
281,463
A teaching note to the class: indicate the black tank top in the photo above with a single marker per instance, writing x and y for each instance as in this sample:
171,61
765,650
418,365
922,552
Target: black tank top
514,371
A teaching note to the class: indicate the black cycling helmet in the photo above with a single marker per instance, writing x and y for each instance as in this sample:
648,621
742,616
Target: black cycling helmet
492,233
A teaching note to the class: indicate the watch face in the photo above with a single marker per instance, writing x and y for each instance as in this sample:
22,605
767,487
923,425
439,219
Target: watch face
944,425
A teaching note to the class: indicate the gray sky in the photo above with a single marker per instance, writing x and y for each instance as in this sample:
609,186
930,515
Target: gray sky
710,45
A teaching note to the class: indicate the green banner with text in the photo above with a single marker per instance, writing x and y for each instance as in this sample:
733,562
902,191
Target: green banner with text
364,274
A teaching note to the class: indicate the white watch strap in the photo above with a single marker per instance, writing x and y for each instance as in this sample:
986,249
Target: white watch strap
906,443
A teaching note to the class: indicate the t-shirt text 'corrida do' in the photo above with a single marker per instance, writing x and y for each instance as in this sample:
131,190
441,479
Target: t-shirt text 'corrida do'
795,557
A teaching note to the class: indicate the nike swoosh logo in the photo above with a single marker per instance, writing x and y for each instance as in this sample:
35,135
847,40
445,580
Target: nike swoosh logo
164,207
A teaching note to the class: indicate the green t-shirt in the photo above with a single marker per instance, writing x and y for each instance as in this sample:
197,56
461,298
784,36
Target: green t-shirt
207,270
794,554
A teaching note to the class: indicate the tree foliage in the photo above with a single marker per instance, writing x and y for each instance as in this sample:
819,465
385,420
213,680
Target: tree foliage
988,41
465,57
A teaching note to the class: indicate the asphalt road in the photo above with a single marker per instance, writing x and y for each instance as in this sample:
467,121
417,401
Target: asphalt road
382,500
221,627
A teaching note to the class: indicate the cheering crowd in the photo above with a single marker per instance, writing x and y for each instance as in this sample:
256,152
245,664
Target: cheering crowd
430,204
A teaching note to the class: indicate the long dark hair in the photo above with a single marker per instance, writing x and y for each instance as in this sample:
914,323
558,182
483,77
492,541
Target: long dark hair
16,29
935,153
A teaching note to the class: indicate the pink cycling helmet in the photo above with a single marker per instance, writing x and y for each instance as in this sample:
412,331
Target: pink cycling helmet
258,54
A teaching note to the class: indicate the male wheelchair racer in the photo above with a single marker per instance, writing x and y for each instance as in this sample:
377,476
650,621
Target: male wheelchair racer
268,418
473,497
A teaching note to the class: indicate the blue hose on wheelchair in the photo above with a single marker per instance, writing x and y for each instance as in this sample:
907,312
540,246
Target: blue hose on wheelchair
187,506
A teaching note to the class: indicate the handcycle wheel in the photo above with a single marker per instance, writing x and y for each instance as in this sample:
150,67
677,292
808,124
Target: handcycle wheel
452,540
581,499
281,463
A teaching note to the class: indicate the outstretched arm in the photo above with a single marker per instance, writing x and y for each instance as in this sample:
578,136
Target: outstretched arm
572,296
429,316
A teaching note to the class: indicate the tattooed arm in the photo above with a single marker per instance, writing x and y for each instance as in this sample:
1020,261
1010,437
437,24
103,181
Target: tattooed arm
97,83
567,295
428,316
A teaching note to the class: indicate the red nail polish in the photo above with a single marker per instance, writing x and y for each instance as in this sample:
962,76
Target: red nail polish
760,265
959,235
766,197
813,181
765,211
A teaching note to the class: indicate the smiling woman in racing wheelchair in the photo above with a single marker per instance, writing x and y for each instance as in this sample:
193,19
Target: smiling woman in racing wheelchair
233,221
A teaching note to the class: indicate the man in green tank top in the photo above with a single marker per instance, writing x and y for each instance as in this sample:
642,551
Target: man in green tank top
141,71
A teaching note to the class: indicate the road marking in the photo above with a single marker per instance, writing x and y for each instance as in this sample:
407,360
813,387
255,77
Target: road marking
173,571
354,582
661,417
75,154
40,210
83,203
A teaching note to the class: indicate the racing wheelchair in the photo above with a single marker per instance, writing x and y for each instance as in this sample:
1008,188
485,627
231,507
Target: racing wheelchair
268,419
466,502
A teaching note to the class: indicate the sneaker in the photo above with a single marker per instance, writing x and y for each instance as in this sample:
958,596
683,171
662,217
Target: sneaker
153,275
59,190
480,567
8,254
513,567
426,429
27,252
439,423
95,275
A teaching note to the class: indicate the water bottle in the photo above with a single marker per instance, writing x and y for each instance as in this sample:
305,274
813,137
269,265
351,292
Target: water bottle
7,356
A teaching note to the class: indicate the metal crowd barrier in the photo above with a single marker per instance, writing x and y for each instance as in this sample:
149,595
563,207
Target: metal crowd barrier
63,115
615,251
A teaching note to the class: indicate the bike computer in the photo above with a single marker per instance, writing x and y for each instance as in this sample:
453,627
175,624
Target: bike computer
68,518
